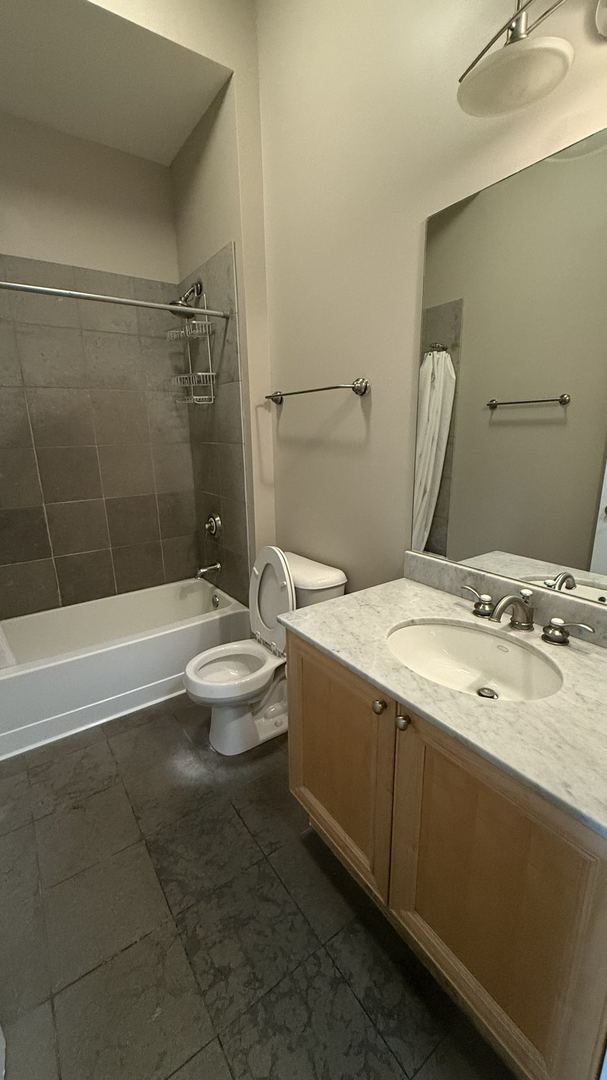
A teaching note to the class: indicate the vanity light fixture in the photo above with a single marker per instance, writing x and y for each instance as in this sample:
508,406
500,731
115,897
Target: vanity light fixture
525,70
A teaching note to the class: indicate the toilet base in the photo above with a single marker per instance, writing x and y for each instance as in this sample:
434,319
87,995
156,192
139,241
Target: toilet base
238,728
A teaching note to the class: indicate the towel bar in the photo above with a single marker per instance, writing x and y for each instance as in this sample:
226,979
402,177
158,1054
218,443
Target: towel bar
359,387
563,399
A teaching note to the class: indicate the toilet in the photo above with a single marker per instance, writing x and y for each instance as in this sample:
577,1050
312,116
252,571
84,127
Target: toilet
245,682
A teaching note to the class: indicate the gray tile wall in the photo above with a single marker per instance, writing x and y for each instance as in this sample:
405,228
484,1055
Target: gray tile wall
216,433
443,323
96,477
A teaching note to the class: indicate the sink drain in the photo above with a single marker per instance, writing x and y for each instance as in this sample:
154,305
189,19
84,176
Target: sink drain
487,692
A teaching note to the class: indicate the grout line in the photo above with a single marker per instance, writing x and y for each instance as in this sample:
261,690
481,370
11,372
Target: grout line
153,458
108,959
55,1036
105,514
42,495
47,889
227,1060
47,954
194,1056
430,1055
376,1029
63,739
288,974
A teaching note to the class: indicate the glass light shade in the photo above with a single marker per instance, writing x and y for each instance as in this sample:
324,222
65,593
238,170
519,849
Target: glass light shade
519,74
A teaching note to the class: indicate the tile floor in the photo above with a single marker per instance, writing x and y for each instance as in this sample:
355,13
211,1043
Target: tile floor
165,912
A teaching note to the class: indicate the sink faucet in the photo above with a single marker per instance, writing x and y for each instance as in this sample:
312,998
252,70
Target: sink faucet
564,580
207,570
522,611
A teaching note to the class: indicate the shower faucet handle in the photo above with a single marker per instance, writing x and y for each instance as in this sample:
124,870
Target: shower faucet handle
213,526
484,603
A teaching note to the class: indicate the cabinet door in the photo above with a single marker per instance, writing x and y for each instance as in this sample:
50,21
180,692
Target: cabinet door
341,760
506,895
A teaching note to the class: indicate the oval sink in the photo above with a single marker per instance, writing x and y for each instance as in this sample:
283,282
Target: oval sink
475,660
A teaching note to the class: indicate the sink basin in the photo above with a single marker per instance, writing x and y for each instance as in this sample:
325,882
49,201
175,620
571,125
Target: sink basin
475,660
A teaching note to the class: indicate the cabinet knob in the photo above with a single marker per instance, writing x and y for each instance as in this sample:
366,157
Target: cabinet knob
402,722
379,706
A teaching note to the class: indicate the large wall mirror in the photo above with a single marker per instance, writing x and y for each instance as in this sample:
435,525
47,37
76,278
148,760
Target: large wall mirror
512,405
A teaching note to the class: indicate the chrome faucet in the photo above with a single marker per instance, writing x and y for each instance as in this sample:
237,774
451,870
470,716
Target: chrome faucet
564,580
522,611
207,570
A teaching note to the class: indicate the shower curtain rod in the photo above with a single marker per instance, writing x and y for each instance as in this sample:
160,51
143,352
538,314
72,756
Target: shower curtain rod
70,294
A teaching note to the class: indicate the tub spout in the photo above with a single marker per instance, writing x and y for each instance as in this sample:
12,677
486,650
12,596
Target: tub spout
207,570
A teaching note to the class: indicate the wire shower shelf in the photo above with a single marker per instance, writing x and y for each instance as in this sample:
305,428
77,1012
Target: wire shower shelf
198,386
193,328
202,385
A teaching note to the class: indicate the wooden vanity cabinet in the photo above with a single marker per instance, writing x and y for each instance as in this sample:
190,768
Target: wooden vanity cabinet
507,897
503,894
341,760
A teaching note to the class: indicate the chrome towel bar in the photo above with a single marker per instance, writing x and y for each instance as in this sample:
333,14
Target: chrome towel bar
562,399
359,387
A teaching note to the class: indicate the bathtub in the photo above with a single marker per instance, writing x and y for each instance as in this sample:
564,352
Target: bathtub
69,668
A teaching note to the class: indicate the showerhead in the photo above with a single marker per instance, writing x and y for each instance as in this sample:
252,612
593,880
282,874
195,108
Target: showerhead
195,290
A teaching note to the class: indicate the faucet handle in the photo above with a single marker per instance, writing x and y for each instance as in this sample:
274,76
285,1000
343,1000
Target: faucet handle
556,632
484,603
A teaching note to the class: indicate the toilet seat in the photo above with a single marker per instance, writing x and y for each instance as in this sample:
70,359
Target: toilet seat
271,593
233,673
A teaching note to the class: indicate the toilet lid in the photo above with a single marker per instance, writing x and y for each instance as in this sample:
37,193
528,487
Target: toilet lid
271,593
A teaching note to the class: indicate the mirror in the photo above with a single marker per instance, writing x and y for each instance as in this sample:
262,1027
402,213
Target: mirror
512,404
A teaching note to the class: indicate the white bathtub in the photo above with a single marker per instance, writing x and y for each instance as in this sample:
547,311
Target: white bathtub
66,669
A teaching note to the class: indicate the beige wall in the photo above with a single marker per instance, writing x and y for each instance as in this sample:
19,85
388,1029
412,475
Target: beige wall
67,200
362,139
204,179
529,259
224,31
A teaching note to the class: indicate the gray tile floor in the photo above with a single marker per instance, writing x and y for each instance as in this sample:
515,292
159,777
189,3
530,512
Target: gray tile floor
165,912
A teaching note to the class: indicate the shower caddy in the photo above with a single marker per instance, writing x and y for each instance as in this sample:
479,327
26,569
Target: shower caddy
198,326
200,384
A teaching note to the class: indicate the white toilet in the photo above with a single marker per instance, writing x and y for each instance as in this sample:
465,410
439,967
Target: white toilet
245,681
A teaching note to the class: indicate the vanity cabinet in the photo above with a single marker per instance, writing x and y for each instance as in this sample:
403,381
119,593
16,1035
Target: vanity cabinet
503,894
341,760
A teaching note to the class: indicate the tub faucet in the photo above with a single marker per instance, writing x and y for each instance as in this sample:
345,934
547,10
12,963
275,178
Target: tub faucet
207,570
522,611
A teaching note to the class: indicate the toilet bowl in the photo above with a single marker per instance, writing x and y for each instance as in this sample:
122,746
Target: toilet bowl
244,682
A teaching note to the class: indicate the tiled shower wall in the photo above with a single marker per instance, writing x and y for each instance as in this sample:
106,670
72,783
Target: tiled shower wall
96,455
217,434
96,484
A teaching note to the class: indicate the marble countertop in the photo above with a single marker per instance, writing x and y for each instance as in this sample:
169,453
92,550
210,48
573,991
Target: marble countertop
555,745
524,567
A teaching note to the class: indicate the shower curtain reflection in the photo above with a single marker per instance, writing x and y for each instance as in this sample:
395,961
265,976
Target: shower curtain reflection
436,394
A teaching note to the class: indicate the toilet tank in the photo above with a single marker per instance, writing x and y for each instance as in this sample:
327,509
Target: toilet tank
313,581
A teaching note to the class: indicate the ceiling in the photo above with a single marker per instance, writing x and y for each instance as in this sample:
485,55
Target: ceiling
85,71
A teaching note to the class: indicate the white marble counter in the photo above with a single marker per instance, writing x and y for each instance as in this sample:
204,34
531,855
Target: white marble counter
556,745
521,567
